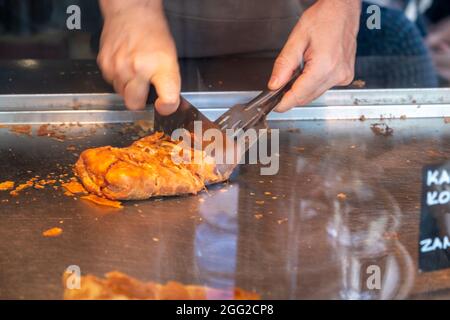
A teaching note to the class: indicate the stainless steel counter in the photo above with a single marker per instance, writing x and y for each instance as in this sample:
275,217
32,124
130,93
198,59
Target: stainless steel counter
283,236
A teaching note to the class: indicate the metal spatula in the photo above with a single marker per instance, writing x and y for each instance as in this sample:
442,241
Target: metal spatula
184,117
242,117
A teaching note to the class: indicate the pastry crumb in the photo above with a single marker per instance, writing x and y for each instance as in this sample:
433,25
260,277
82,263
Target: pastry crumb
102,201
341,196
53,232
7,185
74,187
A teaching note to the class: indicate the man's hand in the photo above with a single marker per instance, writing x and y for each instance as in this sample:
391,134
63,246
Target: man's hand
324,39
439,43
136,49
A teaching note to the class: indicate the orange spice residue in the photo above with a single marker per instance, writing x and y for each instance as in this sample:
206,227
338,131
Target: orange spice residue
74,187
48,181
119,286
53,232
21,129
21,187
46,131
43,130
102,201
7,185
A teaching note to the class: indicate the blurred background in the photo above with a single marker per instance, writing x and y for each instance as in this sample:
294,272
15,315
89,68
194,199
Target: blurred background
411,50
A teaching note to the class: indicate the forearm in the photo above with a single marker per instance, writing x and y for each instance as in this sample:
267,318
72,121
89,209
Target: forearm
110,7
354,4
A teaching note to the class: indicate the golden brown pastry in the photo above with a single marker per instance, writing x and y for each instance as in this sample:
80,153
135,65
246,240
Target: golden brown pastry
119,286
145,169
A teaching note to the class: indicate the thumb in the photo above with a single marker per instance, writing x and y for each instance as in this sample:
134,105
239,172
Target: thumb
287,62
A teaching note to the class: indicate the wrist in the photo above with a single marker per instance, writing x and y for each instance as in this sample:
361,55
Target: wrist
112,7
353,5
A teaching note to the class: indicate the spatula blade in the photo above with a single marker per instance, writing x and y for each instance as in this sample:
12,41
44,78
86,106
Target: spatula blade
185,118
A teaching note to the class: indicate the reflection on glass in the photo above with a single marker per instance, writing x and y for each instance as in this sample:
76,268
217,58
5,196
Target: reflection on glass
216,241
362,229
343,228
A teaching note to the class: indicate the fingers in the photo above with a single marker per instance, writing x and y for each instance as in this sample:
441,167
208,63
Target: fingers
317,77
135,93
116,67
168,86
104,60
131,74
287,62
123,71
162,70
167,82
324,39
303,90
136,49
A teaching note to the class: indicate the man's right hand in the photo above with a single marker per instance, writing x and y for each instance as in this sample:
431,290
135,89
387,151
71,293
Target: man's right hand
136,49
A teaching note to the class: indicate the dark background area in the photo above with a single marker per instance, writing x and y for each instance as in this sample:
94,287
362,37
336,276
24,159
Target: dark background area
36,29
394,57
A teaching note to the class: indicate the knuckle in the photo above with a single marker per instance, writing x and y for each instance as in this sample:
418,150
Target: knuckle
107,72
122,66
282,61
297,97
136,63
329,65
143,63
140,64
151,61
345,75
171,99
101,60
118,85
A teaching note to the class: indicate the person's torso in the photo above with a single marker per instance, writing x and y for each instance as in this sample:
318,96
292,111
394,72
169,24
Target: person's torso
219,27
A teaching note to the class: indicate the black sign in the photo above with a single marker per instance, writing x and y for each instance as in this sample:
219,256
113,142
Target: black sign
434,242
